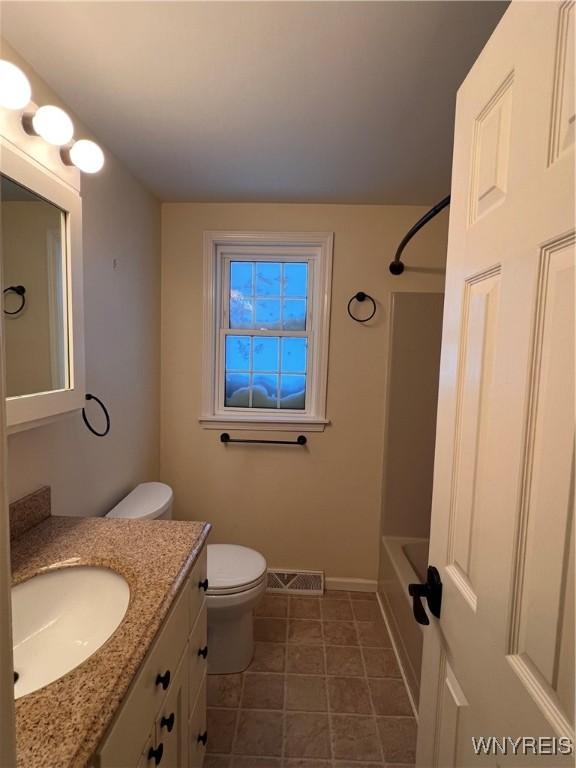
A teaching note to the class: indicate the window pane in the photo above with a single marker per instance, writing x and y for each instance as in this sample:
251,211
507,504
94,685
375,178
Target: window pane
265,391
293,392
238,353
237,390
294,317
241,278
294,355
268,279
268,314
295,279
241,313
265,353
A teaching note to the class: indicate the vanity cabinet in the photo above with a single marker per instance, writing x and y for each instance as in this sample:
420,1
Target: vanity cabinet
162,721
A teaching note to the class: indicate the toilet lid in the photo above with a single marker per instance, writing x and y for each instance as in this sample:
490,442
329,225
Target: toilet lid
146,502
231,566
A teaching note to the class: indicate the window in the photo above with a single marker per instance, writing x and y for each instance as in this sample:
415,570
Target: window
267,301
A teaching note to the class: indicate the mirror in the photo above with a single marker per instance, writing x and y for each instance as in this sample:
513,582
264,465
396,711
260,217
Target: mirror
35,312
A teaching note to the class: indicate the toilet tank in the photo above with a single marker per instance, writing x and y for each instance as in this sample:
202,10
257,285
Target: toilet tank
148,501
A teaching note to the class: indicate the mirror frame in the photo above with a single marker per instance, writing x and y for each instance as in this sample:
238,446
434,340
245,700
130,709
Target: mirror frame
26,411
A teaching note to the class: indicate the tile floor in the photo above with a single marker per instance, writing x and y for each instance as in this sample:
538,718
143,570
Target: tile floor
323,691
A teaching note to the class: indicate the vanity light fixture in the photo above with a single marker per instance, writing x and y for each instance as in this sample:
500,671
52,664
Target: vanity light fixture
51,123
15,91
85,155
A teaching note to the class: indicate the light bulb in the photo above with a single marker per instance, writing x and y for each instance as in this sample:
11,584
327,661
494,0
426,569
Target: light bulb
15,91
87,156
53,124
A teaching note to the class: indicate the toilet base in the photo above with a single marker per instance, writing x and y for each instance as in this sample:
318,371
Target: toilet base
231,631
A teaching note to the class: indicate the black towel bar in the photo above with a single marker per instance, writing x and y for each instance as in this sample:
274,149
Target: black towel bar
300,440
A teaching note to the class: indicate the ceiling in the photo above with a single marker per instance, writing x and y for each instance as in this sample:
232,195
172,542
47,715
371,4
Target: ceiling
349,102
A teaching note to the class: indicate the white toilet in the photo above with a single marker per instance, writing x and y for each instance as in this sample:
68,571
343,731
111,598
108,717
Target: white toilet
236,581
148,501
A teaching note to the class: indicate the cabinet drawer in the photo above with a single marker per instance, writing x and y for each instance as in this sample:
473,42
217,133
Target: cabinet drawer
127,737
198,662
197,581
197,729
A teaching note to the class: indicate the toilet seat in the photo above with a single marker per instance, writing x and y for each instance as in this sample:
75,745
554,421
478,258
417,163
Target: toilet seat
233,569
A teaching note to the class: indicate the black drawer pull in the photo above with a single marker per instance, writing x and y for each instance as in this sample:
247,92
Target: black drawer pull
156,754
203,651
203,585
163,680
168,722
202,738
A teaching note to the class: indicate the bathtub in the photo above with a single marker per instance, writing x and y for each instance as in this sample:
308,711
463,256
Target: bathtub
402,561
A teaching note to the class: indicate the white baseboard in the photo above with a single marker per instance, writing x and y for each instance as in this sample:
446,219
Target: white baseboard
351,585
398,658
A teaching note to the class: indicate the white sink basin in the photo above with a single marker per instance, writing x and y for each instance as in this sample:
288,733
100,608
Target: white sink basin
60,618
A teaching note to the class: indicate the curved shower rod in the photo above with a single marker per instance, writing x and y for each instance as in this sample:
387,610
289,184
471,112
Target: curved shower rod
397,266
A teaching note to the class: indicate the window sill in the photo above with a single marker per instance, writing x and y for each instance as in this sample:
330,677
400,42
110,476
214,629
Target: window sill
257,425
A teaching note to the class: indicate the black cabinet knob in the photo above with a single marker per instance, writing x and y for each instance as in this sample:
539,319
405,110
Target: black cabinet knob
156,754
203,585
202,738
163,680
168,722
203,651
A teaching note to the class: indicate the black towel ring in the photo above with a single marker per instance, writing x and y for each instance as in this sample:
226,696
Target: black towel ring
106,414
361,296
19,290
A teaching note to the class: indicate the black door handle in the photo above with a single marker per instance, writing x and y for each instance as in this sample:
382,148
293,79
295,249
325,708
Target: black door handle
203,585
163,680
156,754
432,591
202,738
203,651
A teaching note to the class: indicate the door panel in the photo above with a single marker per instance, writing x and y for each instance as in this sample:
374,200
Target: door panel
499,662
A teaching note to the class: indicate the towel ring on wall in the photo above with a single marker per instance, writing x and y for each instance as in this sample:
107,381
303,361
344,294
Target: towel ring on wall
19,290
361,296
106,414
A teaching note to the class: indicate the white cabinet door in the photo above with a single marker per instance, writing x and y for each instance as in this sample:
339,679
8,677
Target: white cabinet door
197,730
172,722
500,661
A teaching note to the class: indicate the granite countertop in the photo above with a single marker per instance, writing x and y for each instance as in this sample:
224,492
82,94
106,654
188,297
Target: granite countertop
63,723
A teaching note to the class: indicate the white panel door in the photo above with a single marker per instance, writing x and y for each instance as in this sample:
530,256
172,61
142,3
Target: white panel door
500,660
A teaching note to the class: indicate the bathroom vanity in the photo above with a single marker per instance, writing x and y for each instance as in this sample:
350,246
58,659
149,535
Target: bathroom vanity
140,699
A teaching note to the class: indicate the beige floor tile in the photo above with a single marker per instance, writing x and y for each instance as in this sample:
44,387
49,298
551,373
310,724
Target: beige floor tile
346,764
389,696
305,659
336,594
304,631
337,610
349,695
343,660
270,630
263,691
363,596
297,762
255,762
217,761
307,735
224,690
268,657
220,724
355,737
306,693
381,662
272,606
259,733
340,633
304,608
373,633
366,610
398,739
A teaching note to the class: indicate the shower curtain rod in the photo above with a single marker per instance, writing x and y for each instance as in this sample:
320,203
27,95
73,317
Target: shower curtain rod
397,266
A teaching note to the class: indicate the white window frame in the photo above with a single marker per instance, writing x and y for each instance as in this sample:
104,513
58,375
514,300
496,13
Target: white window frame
219,249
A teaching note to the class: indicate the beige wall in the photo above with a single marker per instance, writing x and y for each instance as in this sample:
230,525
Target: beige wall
121,221
313,508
